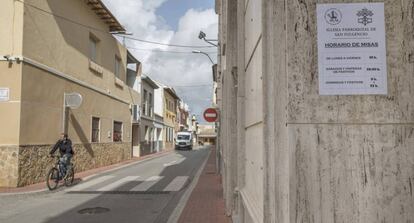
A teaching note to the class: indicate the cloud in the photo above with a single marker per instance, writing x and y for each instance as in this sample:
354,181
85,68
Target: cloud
184,71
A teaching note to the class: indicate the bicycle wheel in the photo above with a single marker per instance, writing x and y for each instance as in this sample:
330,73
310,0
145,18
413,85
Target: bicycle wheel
52,180
70,176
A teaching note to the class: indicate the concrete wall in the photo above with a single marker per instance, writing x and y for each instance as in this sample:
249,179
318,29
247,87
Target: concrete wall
252,193
57,61
64,45
306,157
11,33
11,39
42,111
170,117
10,78
351,157
159,102
34,162
147,137
9,171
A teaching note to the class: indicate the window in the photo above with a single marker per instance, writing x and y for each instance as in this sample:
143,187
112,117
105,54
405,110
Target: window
151,134
93,48
117,71
135,113
183,137
144,103
96,124
150,105
168,135
117,131
146,136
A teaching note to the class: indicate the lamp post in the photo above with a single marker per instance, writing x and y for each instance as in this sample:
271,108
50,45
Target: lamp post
202,36
198,51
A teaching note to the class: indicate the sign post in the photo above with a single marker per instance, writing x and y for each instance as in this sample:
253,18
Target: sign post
352,49
210,115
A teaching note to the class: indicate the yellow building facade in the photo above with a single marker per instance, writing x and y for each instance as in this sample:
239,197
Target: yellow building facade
170,116
49,49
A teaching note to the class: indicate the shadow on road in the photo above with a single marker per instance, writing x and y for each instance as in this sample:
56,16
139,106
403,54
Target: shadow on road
123,205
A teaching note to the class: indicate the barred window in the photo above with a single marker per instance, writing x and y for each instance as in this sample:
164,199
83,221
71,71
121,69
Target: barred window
93,48
117,131
96,124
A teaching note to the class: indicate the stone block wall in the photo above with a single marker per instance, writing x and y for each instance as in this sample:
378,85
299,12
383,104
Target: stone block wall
8,166
34,162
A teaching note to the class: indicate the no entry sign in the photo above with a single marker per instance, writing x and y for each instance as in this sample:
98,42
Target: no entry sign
210,115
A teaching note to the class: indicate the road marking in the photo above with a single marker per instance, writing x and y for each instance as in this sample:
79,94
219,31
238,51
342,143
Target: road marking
170,163
118,183
90,183
176,184
147,184
175,162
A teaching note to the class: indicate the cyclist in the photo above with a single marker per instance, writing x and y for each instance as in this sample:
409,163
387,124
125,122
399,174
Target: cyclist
64,144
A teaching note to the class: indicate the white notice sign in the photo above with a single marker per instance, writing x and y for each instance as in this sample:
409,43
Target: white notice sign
4,94
351,49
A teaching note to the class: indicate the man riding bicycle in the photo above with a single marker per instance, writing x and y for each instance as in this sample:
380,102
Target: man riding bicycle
66,151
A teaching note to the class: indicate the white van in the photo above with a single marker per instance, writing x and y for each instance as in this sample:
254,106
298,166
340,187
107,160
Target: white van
184,140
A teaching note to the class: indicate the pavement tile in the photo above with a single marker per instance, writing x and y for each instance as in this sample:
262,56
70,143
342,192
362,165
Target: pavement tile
206,202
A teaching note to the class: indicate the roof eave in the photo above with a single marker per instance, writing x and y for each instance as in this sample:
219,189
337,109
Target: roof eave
105,14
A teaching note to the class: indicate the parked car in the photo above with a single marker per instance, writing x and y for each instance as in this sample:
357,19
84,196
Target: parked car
184,140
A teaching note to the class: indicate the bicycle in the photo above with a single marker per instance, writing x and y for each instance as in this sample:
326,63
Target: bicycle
56,174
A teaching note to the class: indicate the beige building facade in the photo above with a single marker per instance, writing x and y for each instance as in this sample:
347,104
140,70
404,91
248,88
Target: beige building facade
292,155
49,49
148,117
170,116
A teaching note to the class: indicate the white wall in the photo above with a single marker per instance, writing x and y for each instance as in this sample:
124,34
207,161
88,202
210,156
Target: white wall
159,101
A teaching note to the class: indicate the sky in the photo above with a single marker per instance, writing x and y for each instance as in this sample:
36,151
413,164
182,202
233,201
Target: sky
173,22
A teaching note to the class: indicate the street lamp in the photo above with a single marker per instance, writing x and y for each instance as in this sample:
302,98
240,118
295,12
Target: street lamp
203,36
198,51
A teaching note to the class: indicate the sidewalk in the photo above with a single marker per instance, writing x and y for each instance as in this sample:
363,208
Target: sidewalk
39,187
206,203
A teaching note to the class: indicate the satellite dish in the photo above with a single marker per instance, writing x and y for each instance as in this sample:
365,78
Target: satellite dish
73,100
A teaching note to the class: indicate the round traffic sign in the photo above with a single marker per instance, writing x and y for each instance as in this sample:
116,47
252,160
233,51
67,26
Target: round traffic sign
210,115
73,100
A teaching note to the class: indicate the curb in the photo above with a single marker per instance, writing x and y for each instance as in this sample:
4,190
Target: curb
115,168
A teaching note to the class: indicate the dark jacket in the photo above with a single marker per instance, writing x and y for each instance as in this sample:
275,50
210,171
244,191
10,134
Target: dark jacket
65,147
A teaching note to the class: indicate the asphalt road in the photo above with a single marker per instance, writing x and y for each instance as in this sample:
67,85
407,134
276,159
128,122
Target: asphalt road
149,191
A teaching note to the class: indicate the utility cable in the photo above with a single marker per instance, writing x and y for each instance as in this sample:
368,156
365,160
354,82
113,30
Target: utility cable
163,44
193,86
104,31
165,51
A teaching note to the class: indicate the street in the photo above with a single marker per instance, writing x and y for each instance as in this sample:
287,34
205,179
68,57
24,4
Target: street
147,191
293,111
